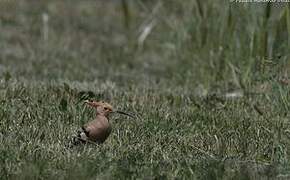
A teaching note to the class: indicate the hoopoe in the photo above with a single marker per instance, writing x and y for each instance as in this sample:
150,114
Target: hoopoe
98,130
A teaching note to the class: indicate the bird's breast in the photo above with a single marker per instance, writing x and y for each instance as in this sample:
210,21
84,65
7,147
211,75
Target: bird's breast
98,130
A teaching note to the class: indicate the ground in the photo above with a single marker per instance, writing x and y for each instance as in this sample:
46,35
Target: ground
207,80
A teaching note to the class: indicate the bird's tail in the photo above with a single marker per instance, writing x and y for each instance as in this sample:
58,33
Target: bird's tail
80,138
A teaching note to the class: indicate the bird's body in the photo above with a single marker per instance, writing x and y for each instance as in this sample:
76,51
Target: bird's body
98,130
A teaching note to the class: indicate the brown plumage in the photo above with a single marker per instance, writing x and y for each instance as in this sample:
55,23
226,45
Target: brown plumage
98,130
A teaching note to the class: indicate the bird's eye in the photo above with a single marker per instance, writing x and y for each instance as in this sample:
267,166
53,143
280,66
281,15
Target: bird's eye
105,108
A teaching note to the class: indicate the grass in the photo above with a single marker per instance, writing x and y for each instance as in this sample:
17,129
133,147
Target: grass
172,63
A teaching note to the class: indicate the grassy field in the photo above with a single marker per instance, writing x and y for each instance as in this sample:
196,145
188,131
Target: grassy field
208,80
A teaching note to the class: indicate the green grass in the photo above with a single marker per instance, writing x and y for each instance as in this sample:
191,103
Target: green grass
175,79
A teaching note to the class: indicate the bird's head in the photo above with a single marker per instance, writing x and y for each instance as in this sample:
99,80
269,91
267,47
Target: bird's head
105,109
101,107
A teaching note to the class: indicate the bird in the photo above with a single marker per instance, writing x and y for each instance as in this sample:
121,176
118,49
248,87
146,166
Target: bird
99,129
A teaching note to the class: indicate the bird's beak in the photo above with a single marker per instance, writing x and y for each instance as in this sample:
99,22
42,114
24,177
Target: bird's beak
121,112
